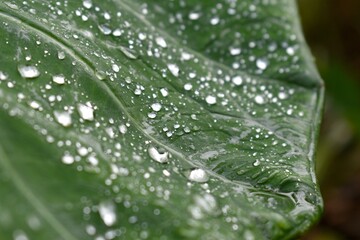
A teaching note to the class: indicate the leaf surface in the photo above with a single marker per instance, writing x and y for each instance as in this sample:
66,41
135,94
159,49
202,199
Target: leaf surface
156,120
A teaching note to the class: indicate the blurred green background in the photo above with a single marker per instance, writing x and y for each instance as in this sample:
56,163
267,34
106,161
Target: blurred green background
332,29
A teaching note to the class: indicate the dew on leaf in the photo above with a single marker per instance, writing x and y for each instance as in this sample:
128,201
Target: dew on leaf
86,112
87,4
122,129
28,72
188,86
234,51
161,42
164,92
61,55
59,79
158,155
63,118
197,175
210,99
3,76
67,159
174,69
107,213
156,107
115,68
105,29
261,63
259,99
237,80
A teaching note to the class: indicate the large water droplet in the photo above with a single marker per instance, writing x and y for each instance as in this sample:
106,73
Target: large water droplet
28,72
259,99
197,175
107,213
87,4
158,155
105,29
234,51
63,118
86,112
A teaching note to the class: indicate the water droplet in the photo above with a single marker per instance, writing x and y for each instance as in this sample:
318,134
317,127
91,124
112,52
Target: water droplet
161,42
259,99
256,163
87,4
63,118
3,76
128,52
105,29
158,155
197,175
152,115
214,20
261,63
237,80
59,79
290,51
188,86
234,51
28,72
107,213
174,69
34,105
164,92
210,100
123,129
282,95
86,112
110,132
67,159
115,68
194,15
156,107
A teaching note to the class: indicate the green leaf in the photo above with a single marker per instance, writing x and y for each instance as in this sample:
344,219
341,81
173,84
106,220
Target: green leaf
156,120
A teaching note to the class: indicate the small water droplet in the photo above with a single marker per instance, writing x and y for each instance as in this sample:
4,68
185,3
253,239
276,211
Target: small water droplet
59,79
237,80
156,107
174,69
110,132
152,115
164,92
87,4
256,163
63,118
34,105
214,20
188,86
197,175
67,159
107,213
259,99
210,100
28,72
115,68
194,15
105,29
86,112
3,76
282,95
123,129
235,51
161,42
261,63
290,51
158,155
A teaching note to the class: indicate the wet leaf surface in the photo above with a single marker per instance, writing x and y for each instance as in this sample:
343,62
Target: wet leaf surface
156,120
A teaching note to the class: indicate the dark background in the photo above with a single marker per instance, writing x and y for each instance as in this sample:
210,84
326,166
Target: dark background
332,30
